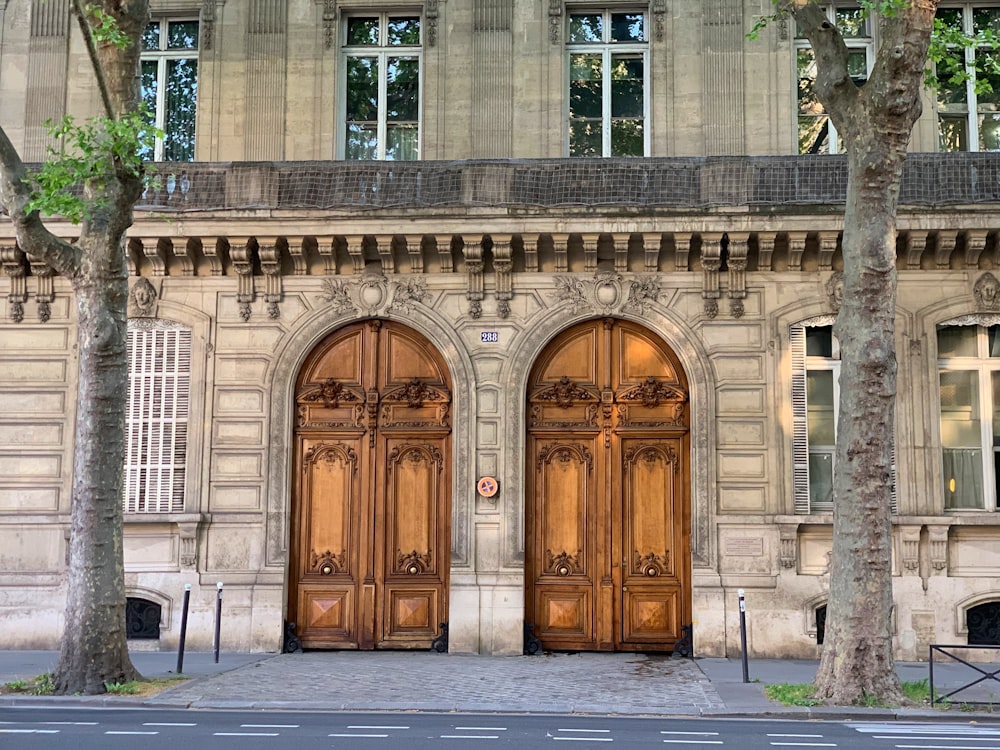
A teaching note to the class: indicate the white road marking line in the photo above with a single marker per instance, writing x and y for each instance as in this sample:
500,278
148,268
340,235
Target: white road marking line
954,747
695,742
470,736
585,739
373,726
269,726
929,737
804,744
694,734
29,731
115,731
794,735
245,734
70,723
595,731
357,735
482,729
166,724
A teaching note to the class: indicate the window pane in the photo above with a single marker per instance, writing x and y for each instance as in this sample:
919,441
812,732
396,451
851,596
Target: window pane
953,133
852,22
626,86
401,143
149,85
987,81
963,478
960,413
586,138
585,86
820,411
857,66
404,31
182,35
362,141
821,480
957,341
819,341
952,76
989,132
950,17
179,118
995,421
402,89
362,88
151,37
586,28
627,138
986,19
627,27
814,135
362,31
994,338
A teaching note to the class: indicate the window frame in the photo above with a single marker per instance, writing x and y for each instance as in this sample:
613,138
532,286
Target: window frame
973,110
607,48
984,366
162,58
382,51
866,43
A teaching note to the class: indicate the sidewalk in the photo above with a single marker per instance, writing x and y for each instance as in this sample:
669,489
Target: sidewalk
632,684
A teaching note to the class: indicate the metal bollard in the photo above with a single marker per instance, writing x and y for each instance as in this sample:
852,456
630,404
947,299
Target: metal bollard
184,627
743,637
218,619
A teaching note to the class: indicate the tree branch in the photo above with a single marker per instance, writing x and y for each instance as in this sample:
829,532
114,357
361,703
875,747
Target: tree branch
32,236
95,63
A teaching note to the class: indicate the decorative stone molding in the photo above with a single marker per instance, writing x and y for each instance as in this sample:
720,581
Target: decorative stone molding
560,244
570,290
916,243
835,290
373,293
987,293
945,247
210,249
443,244
297,252
430,21
45,293
472,249
796,247
939,547
682,250
530,246
503,267
909,539
659,8
335,292
621,252
407,293
206,24
270,265
383,245
330,23
651,251
142,299
642,291
738,251
711,262
975,244
827,248
16,268
765,250
788,545
188,534
241,254
415,252
590,242
555,20
607,291
355,248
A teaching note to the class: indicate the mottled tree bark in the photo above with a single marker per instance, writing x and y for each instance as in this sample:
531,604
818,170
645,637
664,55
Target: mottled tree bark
93,648
874,123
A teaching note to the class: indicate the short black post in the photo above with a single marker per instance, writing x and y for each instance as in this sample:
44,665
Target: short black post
218,619
184,627
743,637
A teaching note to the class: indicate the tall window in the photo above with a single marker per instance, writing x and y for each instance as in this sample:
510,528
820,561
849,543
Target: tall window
382,87
170,85
969,365
607,84
159,354
816,133
968,100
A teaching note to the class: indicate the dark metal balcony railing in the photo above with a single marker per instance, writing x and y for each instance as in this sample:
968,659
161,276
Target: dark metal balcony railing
629,184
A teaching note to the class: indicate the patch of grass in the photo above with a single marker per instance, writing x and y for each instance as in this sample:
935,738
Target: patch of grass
146,688
122,688
918,691
16,686
791,695
42,685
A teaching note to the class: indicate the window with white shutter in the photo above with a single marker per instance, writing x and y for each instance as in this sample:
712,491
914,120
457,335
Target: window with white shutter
159,354
815,359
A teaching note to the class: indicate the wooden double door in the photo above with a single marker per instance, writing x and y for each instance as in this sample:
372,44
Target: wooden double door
608,511
370,551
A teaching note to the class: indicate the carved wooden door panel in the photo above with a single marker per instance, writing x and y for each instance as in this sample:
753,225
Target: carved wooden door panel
370,548
607,536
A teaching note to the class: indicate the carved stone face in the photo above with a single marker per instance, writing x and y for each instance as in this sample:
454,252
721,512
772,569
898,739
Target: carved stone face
143,297
987,292
835,290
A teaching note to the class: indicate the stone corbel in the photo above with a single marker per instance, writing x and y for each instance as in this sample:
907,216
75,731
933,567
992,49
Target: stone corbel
621,252
503,267
297,252
827,247
530,252
241,254
383,243
789,545
560,243
355,248
659,12
443,244
179,247
210,249
555,20
188,534
327,249
415,251
975,243
796,247
16,268
472,249
269,252
916,243
154,255
711,262
329,23
909,541
45,293
682,250
939,547
945,247
590,242
739,245
430,22
765,250
206,23
651,251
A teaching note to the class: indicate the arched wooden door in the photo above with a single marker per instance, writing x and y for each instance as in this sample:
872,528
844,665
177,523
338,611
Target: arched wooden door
370,540
608,511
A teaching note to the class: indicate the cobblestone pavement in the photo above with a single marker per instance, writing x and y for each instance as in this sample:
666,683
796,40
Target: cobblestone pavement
604,683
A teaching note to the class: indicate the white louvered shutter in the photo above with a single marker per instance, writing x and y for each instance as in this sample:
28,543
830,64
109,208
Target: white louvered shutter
159,398
800,420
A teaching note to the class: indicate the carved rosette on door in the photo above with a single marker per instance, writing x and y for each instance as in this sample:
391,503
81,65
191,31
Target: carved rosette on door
371,502
608,509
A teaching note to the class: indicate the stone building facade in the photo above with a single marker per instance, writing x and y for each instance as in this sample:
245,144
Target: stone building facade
371,396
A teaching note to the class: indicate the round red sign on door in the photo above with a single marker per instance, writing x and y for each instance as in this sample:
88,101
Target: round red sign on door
488,486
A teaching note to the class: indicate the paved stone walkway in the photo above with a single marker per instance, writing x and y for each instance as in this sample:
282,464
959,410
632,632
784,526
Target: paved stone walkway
563,683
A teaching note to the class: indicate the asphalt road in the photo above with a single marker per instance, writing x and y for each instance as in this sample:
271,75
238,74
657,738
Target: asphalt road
111,729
